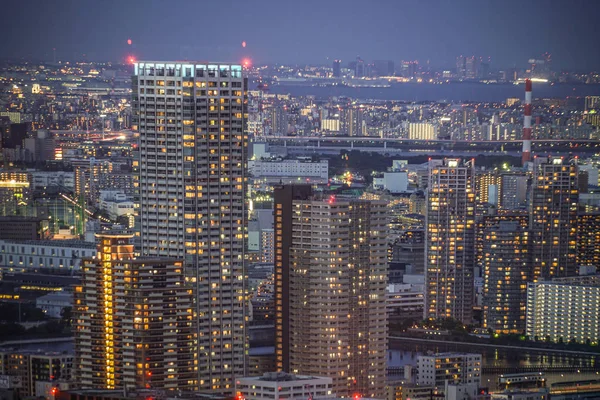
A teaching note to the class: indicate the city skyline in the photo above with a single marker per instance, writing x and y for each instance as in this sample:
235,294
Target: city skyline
437,32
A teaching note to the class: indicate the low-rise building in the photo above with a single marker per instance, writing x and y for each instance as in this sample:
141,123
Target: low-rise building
44,179
301,168
281,385
452,368
522,395
44,255
54,303
404,301
394,182
25,368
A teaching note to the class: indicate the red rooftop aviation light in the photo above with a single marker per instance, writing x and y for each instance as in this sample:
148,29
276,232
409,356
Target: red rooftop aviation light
247,63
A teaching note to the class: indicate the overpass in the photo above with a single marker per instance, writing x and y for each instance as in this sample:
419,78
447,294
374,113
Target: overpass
394,145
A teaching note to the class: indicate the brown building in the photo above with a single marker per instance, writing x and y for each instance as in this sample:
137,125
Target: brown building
133,321
330,289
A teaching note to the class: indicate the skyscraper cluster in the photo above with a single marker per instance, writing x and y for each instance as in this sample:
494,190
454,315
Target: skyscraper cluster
511,248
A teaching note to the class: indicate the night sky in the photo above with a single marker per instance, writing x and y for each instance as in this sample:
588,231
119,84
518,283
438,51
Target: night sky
307,31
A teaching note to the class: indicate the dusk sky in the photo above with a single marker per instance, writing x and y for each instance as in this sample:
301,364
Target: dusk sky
309,31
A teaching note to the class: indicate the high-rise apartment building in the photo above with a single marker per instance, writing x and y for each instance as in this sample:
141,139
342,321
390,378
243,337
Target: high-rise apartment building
588,239
553,217
330,289
133,321
450,240
192,178
352,121
506,271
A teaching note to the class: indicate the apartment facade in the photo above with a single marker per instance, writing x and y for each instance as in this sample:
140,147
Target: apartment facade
191,181
565,309
334,297
553,217
453,368
450,240
133,321
506,271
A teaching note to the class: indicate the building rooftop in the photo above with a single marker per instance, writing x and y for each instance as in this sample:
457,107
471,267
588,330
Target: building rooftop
582,280
54,243
282,377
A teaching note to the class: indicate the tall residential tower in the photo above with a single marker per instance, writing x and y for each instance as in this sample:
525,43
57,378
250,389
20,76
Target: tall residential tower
330,287
192,163
450,240
553,217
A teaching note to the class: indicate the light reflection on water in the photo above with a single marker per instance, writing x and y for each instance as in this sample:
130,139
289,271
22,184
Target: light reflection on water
406,354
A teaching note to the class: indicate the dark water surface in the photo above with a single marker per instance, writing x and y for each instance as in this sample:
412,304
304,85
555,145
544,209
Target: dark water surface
450,92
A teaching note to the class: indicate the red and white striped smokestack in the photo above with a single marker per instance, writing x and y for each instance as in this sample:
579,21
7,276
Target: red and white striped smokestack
526,156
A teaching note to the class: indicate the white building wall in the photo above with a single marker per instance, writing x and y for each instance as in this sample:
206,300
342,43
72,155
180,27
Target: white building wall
27,256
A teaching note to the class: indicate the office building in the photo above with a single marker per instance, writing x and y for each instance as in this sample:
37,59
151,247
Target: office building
409,69
553,217
588,239
564,309
22,370
506,271
337,68
23,228
330,289
192,179
452,368
133,321
382,68
281,385
450,240
409,250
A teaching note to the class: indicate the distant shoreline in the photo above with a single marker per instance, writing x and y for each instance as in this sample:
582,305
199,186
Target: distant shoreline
431,92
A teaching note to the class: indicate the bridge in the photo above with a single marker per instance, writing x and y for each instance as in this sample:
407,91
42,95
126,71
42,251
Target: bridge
391,145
